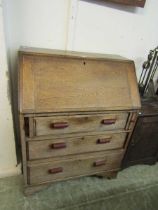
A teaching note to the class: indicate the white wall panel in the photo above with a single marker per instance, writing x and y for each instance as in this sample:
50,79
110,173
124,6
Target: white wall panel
109,28
7,142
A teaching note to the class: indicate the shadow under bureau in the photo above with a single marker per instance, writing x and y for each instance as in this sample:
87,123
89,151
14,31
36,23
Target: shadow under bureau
77,112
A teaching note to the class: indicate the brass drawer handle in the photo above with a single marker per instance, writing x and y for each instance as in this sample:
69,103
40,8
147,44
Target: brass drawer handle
108,121
59,125
99,163
104,141
55,170
58,145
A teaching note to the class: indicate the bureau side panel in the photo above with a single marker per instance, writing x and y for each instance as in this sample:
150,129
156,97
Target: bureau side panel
23,147
133,86
26,85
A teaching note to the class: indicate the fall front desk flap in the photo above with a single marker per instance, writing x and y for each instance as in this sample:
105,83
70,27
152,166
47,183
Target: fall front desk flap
52,81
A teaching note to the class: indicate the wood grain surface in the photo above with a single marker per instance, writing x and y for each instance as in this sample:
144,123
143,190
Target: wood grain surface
78,123
74,167
51,84
75,145
77,112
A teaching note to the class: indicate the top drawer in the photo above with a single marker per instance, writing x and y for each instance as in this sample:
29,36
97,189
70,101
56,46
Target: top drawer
78,123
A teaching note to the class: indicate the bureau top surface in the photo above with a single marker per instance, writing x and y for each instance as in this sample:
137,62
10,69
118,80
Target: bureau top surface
72,54
59,81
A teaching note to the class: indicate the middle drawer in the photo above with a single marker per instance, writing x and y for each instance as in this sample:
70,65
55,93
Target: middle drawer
52,125
74,145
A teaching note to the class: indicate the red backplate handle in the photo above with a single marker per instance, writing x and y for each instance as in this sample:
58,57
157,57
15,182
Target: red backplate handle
55,170
99,163
108,121
59,125
58,145
104,141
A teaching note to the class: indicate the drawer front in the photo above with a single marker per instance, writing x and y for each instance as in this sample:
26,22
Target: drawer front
75,145
87,165
79,123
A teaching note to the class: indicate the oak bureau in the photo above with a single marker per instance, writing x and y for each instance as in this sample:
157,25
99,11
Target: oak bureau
77,112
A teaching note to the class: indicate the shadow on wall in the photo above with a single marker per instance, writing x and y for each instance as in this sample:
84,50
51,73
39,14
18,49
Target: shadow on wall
13,98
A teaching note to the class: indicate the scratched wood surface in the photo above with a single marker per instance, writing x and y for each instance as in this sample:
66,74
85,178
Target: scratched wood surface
77,112
77,166
84,123
76,145
54,83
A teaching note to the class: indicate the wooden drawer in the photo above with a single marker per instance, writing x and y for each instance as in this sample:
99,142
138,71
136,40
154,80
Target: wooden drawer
79,123
75,145
77,166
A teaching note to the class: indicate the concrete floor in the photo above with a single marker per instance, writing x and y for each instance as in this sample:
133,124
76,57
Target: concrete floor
135,188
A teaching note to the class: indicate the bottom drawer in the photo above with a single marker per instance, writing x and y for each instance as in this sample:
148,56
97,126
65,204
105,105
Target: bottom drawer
55,170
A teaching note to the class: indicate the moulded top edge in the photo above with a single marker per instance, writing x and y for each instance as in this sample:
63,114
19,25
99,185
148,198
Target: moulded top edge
72,54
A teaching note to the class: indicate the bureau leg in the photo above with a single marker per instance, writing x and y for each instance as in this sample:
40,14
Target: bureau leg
109,174
30,190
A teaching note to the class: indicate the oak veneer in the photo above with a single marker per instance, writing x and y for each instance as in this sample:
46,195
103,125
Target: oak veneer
75,145
78,123
77,113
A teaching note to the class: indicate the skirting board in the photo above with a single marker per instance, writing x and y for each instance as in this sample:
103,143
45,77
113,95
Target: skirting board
10,171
